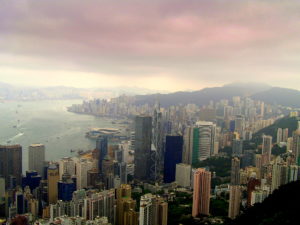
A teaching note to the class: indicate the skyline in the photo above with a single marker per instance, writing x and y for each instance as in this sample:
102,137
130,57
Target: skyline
162,45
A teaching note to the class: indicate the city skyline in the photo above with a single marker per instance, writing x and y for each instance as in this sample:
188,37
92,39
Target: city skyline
169,45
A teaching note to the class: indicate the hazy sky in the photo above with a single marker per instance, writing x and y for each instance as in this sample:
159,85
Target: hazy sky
168,45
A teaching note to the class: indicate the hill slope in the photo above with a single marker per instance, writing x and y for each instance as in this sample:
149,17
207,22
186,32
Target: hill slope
280,208
203,96
281,96
286,122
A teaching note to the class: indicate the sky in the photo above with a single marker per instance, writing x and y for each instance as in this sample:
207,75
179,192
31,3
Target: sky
163,45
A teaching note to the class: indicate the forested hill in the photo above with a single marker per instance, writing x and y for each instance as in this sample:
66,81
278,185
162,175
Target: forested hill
286,122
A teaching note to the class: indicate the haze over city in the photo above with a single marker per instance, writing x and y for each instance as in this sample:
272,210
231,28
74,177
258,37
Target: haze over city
162,45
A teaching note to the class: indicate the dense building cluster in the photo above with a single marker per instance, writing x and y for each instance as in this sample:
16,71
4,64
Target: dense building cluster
163,154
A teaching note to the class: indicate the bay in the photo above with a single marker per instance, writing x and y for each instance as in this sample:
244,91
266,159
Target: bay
47,122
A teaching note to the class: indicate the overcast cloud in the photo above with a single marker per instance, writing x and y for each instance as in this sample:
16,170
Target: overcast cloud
168,45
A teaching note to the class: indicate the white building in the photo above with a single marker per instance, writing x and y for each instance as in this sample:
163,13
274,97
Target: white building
183,175
36,158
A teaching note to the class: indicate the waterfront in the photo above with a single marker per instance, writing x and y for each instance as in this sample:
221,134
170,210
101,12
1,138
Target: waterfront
49,123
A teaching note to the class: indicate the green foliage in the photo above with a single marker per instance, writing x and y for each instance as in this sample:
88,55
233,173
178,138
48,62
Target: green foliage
220,165
276,150
286,122
219,207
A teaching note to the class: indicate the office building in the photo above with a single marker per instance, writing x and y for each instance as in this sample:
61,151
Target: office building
199,142
53,178
32,180
173,156
201,195
36,158
183,175
102,149
142,153
66,165
11,164
66,187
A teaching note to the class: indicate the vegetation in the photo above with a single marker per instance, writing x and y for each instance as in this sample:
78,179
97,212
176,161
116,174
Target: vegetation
220,165
219,207
286,122
277,150
280,208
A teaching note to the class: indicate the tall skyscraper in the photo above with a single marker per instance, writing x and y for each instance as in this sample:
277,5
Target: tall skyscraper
53,178
235,192
66,187
285,134
266,149
102,148
201,195
82,167
200,142
142,153
173,156
11,163
235,171
36,158
66,165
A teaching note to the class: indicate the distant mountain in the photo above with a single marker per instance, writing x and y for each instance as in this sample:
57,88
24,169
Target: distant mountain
280,208
203,96
281,96
286,122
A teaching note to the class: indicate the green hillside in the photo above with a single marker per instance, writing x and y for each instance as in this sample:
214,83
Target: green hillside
286,122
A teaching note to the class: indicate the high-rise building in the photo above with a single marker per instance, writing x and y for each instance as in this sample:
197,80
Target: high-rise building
82,167
36,158
201,195
279,135
102,148
235,171
66,165
296,146
32,180
142,153
234,201
66,187
126,214
153,210
253,183
53,178
173,156
200,142
237,147
11,163
183,175
266,149
285,134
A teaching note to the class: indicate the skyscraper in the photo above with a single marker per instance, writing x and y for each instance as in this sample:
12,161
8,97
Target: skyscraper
199,142
201,195
235,192
153,210
53,178
279,135
266,149
296,146
234,201
36,158
235,171
173,156
102,148
66,187
183,174
11,163
142,154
